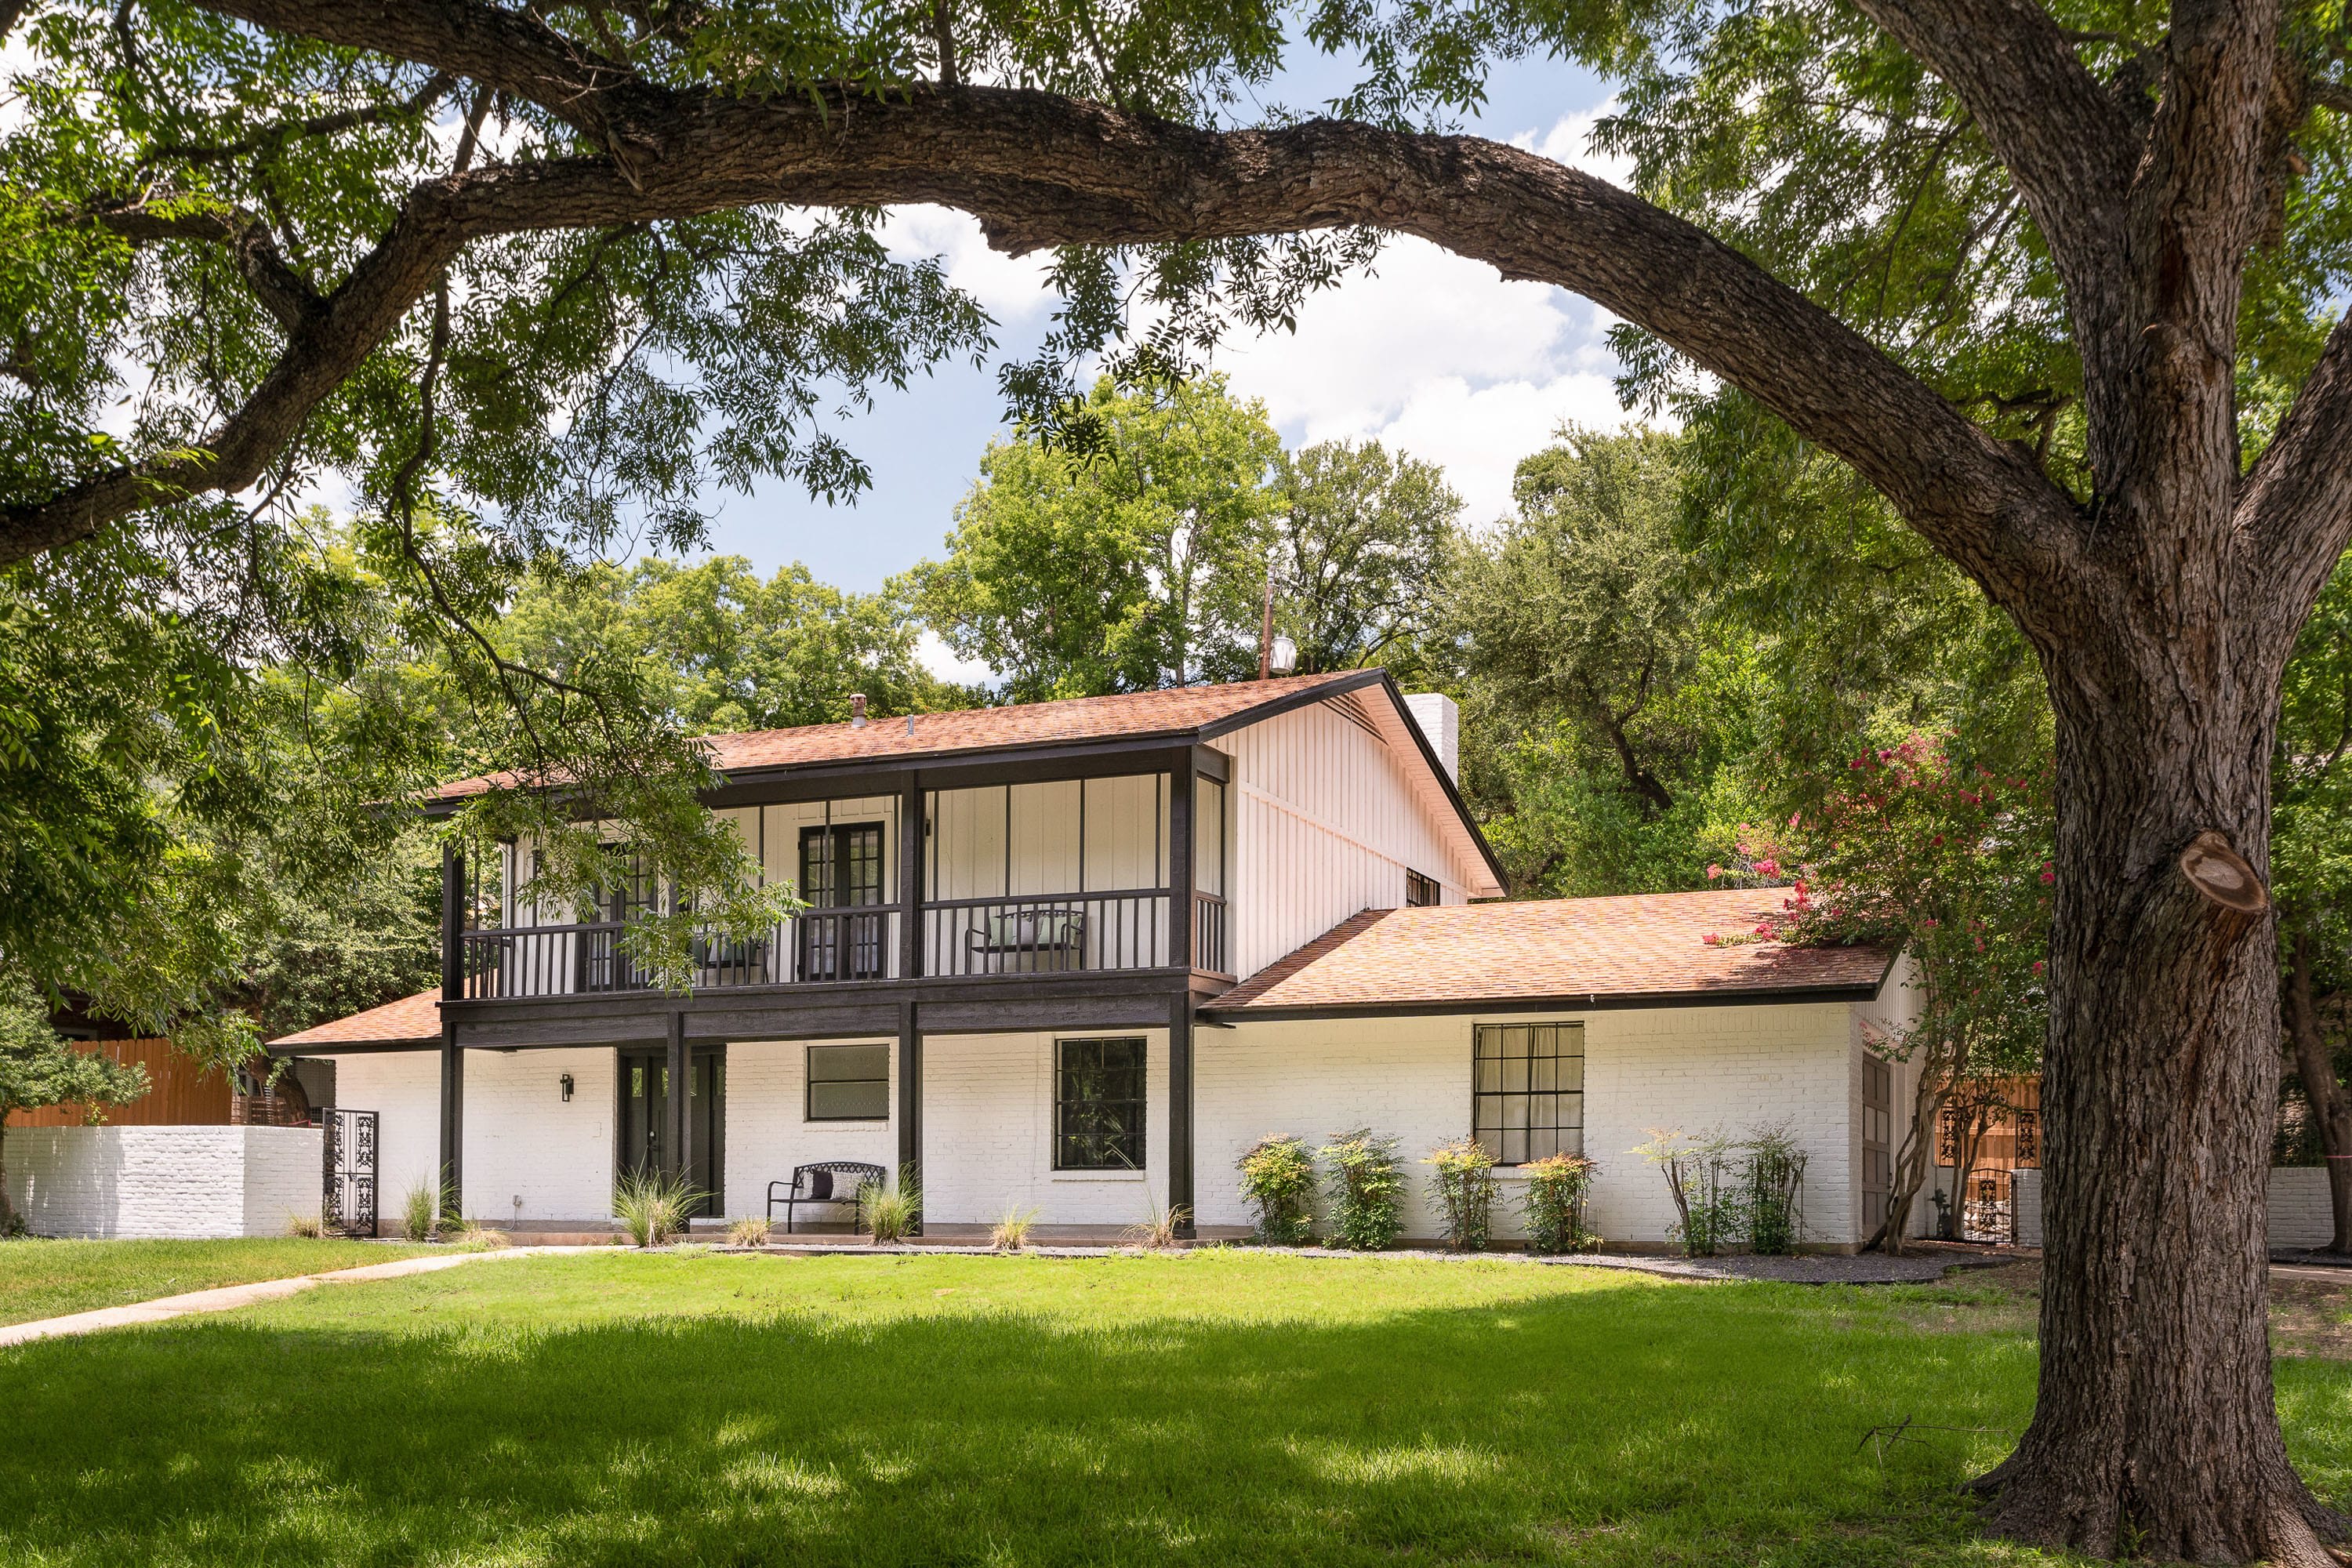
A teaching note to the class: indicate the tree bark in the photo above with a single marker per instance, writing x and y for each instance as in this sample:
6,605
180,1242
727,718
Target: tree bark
2155,1429
1915,1157
2330,1107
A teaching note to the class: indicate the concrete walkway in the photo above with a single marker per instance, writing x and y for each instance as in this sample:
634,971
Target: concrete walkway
228,1297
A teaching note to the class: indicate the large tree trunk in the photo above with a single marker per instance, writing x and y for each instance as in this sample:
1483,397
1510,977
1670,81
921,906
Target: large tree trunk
2156,1431
2331,1108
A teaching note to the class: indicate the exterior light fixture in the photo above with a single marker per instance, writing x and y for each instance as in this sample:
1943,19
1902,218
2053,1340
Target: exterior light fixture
1284,656
566,1081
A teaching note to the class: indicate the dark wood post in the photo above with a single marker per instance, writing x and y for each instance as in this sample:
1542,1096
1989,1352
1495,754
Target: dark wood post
911,1097
911,846
1180,1111
450,1200
678,1152
1180,1014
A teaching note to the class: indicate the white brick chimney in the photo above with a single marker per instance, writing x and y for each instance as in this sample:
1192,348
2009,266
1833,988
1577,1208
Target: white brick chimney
1441,722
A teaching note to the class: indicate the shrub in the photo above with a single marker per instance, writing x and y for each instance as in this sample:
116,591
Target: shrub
748,1232
1367,1190
418,1211
1159,1227
1011,1234
1553,1203
1694,1172
309,1225
1774,1200
891,1214
1279,1180
654,1208
1465,1191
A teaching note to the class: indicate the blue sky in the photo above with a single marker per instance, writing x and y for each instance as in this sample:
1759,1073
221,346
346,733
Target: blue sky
1432,354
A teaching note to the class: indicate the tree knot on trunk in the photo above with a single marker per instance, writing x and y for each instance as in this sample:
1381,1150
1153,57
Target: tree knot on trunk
2221,875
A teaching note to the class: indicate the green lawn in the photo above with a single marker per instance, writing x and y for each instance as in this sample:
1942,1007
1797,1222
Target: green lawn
1210,1408
51,1279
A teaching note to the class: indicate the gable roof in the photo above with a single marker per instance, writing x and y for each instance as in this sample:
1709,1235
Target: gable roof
1175,715
1177,712
411,1021
1647,948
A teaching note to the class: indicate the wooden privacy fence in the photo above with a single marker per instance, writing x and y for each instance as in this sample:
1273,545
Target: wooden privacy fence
179,1093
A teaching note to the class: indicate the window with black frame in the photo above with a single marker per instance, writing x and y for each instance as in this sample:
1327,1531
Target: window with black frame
848,1083
1420,891
1528,1090
1098,1105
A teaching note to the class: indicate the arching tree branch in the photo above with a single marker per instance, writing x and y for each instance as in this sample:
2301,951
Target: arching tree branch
2295,515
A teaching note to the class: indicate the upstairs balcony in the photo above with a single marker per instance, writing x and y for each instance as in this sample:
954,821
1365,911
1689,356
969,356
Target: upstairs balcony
1062,877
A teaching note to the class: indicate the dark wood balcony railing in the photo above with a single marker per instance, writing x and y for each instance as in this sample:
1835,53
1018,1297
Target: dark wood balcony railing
1209,954
1048,933
859,943
1044,934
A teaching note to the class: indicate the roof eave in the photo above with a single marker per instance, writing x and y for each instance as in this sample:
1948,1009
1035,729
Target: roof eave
1575,1002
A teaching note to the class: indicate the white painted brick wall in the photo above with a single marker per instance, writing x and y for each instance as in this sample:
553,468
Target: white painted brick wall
2300,1214
404,1088
524,1141
988,1119
1734,1067
183,1181
769,1133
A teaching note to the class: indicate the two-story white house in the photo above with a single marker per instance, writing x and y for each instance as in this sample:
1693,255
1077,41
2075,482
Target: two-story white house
1076,956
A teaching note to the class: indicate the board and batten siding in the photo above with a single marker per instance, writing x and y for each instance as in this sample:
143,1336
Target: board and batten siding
1324,824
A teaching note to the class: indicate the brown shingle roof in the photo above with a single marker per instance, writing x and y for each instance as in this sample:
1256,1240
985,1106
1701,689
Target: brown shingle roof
1571,951
409,1021
1125,716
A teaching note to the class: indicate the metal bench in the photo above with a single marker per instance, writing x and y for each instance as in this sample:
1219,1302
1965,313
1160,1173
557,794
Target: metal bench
1048,939
826,1181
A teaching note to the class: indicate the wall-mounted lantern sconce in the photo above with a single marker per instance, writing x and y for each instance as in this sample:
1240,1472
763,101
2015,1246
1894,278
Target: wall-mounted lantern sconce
566,1081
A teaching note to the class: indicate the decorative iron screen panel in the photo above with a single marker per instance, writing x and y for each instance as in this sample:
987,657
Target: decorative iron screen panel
347,1198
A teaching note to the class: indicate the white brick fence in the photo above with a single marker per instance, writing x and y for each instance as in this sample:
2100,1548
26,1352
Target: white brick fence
2299,1211
185,1181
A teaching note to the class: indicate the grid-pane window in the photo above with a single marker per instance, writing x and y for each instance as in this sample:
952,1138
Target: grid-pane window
1098,1105
848,1083
1419,890
1528,1090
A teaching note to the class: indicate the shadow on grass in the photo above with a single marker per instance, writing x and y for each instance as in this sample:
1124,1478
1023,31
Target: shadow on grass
1612,1425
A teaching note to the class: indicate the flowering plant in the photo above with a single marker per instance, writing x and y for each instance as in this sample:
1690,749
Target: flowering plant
1951,861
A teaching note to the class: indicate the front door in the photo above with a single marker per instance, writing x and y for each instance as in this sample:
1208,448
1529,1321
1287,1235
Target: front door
841,871
644,1109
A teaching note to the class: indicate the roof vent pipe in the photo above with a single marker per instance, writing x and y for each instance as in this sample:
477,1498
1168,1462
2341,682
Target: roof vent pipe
857,710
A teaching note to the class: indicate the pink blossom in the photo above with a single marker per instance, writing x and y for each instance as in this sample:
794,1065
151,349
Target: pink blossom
1713,871
2037,966
2048,877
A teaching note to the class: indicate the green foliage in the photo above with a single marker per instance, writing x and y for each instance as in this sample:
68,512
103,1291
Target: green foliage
653,1207
1772,1202
1361,548
1465,1191
2311,845
1123,569
1279,1180
1367,1189
1952,862
891,1212
1552,1204
419,1211
1700,1178
714,648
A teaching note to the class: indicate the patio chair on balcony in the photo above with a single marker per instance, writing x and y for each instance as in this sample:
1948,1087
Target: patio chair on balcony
1022,941
721,961
826,1181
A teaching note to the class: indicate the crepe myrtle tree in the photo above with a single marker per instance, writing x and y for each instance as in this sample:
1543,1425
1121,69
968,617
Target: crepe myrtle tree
518,256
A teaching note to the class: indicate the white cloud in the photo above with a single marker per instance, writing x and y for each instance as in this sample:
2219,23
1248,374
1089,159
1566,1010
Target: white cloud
1011,288
941,660
1569,141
